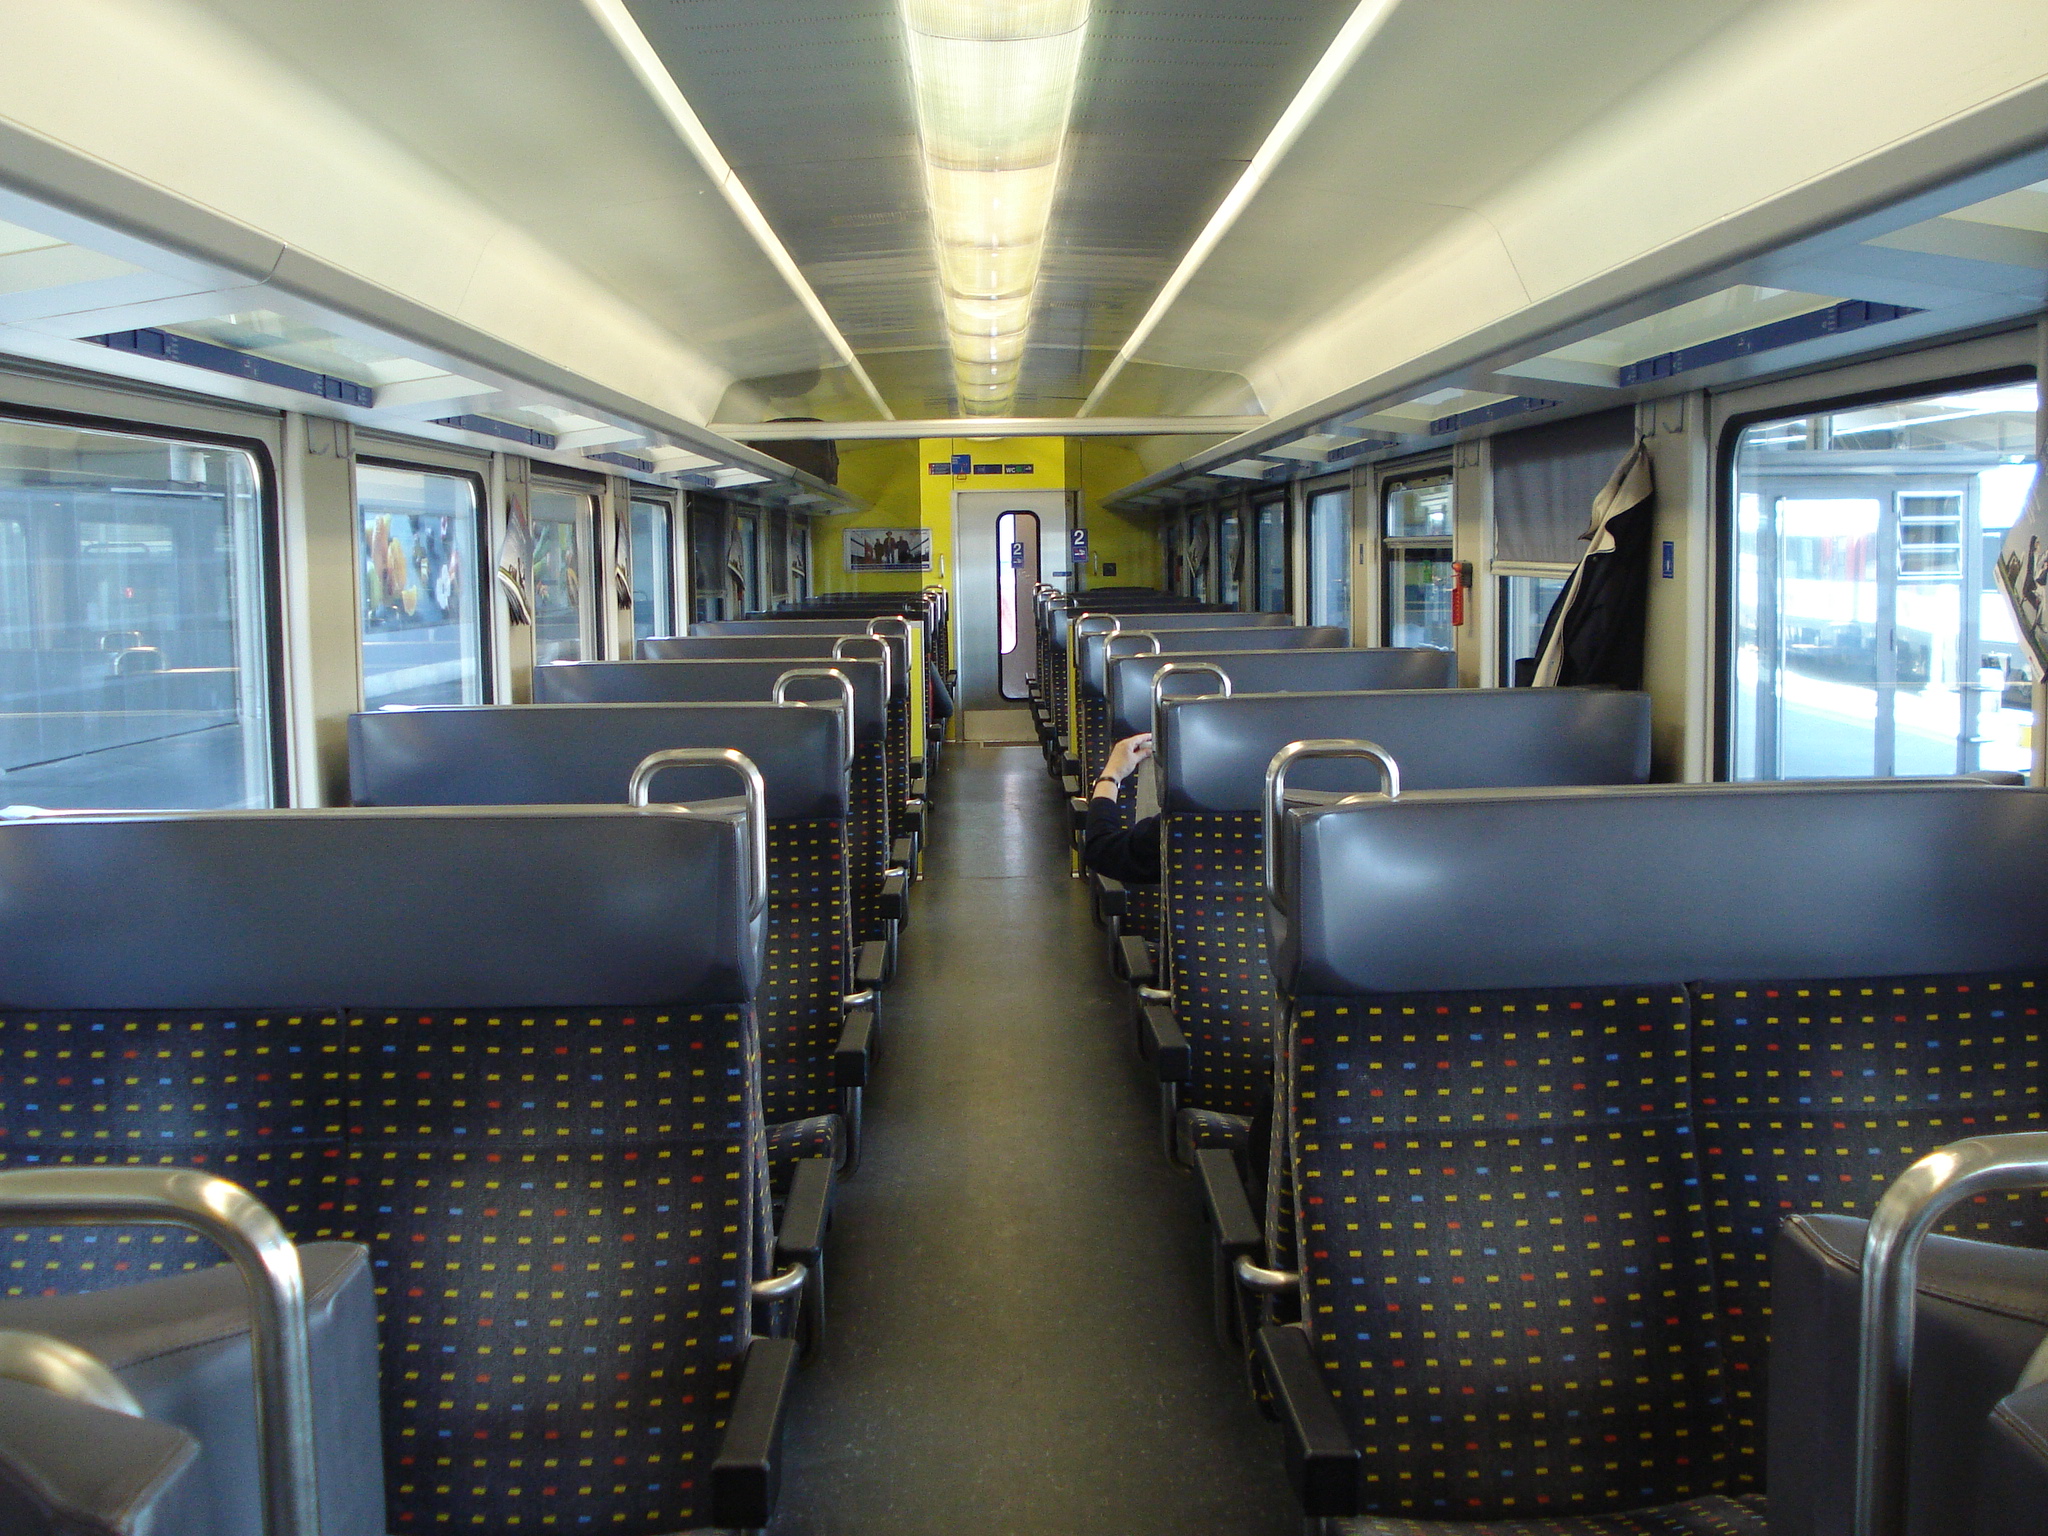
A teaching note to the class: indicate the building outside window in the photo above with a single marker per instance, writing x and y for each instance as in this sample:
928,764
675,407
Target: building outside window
1869,634
420,586
1420,578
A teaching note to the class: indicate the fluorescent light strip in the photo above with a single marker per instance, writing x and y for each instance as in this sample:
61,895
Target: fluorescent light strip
1336,61
618,24
993,82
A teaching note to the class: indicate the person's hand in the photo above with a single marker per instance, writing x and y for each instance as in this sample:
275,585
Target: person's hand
1125,758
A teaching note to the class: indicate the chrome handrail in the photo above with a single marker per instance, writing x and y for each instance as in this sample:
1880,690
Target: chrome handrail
778,694
1276,789
1910,1209
756,792
65,1369
1116,625
255,1242
888,667
782,1286
1159,679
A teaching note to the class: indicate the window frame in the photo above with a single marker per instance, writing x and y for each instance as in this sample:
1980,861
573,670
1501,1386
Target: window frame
593,573
1346,485
1723,627
269,546
1388,547
487,654
668,506
1257,518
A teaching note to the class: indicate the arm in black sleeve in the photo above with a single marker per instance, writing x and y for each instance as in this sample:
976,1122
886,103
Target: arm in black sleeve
1107,847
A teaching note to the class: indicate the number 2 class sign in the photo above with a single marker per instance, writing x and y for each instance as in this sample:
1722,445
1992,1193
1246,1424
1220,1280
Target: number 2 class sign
1079,538
1017,555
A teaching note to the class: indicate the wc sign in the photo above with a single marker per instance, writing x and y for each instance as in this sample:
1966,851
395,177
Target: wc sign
1079,538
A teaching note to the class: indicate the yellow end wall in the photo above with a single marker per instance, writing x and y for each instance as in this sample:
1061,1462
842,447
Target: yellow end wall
895,479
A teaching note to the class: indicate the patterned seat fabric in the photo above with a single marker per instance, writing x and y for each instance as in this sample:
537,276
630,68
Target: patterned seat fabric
1712,1516
562,1208
806,970
1215,940
794,1140
867,837
1504,1245
1813,1096
1202,1130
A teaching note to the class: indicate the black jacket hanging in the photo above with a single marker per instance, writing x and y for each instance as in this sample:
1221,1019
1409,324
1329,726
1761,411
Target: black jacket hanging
1595,630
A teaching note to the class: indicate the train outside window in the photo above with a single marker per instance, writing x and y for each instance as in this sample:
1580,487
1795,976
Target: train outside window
1870,635
133,634
421,588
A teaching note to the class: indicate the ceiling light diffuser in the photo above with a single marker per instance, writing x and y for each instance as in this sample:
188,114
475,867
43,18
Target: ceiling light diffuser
994,86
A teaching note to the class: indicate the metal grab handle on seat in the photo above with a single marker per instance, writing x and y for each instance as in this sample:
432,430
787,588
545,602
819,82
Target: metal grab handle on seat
1276,789
1159,679
757,801
781,1287
1910,1209
1116,625
887,665
256,1244
778,694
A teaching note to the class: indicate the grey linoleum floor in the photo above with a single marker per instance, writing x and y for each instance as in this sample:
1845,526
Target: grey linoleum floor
1020,1338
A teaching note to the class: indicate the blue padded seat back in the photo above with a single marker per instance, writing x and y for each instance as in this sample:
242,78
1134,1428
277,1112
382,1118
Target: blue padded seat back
1813,1096
1138,636
815,629
568,754
1331,669
1212,761
727,680
1504,1248
790,650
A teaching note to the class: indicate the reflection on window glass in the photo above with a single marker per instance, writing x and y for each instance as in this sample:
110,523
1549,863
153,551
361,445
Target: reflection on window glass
743,556
1229,559
133,633
1420,507
1419,583
653,570
1525,602
422,628
707,563
1417,553
1329,558
1870,634
1273,557
559,518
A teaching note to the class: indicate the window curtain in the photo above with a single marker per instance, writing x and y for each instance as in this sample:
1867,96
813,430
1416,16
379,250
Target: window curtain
1595,630
1545,477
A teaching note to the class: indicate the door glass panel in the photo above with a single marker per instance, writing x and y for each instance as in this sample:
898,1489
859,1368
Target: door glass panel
134,640
653,570
1016,575
1329,558
560,519
420,585
1870,636
1273,557
1419,578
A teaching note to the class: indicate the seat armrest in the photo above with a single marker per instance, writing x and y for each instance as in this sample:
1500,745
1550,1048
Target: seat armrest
806,1214
1322,1462
1077,815
917,785
871,964
1111,898
1137,964
747,1474
901,853
1070,765
1070,785
895,898
850,1056
1161,1042
1237,1230
912,818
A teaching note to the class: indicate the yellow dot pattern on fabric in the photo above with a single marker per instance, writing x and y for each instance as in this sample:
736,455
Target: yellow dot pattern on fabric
867,836
805,970
1814,1096
1504,1240
1215,921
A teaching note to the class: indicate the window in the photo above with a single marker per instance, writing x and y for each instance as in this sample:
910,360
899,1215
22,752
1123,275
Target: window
743,558
1200,552
1272,543
654,587
1017,567
1420,578
1329,557
707,562
1170,534
1869,633
134,642
420,586
561,535
1230,560
775,561
1525,602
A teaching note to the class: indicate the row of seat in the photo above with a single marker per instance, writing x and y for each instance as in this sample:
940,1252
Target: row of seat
1536,1109
544,1059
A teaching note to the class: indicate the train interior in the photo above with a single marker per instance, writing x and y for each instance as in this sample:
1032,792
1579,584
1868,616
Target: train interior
1023,766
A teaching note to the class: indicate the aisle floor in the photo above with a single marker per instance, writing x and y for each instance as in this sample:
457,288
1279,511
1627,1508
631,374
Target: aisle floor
1020,1338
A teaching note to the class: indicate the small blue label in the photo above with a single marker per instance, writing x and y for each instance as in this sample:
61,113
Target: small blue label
963,463
1079,538
1670,559
1017,555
